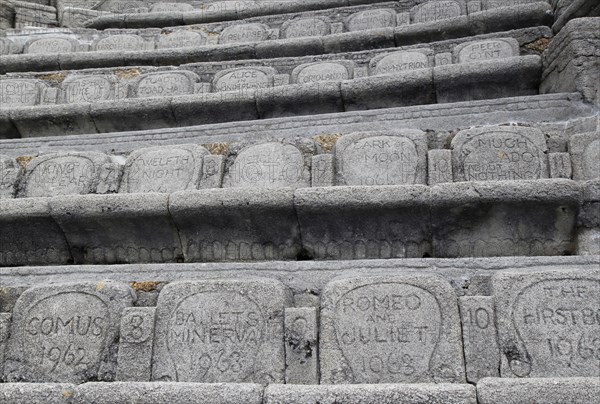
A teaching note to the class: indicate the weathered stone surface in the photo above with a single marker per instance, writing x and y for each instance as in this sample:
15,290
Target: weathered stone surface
390,329
576,390
504,218
164,84
66,333
243,33
485,50
163,169
269,165
120,42
364,222
322,171
135,345
480,342
439,163
301,345
118,228
236,224
322,71
180,39
585,153
27,393
371,19
548,323
490,4
371,394
7,46
243,78
437,10
88,88
20,92
303,27
386,158
560,165
69,174
4,333
29,236
10,173
395,62
212,171
160,393
496,153
51,45
221,331
168,7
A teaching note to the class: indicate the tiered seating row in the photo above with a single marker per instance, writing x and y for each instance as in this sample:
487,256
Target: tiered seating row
117,51
228,330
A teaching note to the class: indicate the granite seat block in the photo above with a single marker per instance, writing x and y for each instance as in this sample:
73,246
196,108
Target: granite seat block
390,329
588,237
118,228
221,330
26,393
361,222
584,149
504,218
236,224
498,78
548,322
572,390
160,392
66,333
29,235
371,394
10,175
53,120
413,87
299,99
210,108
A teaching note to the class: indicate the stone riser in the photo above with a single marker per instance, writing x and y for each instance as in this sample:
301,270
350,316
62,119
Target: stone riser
488,391
549,112
511,77
450,220
503,19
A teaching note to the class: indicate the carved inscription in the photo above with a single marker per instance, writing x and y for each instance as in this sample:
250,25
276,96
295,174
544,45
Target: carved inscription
388,332
380,160
591,157
62,175
304,27
243,33
496,156
137,325
436,10
165,85
180,39
558,323
87,89
210,344
50,45
120,43
163,170
485,50
19,92
400,61
242,79
322,72
268,165
64,338
370,19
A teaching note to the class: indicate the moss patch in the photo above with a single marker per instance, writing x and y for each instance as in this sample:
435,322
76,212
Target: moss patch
24,160
55,78
327,141
144,286
127,73
539,45
217,148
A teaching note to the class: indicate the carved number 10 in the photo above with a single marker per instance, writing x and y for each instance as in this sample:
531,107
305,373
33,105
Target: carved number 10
479,317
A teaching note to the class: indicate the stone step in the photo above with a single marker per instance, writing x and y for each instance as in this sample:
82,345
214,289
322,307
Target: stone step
500,78
489,391
498,20
260,330
92,85
559,116
246,224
